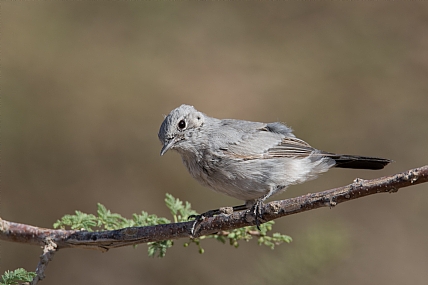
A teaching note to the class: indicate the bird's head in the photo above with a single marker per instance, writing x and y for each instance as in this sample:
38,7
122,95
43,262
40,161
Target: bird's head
178,127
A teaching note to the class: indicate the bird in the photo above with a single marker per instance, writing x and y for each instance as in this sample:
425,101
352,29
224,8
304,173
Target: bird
249,161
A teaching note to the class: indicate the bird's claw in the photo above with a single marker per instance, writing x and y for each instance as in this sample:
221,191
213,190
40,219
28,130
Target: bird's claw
198,219
195,217
256,211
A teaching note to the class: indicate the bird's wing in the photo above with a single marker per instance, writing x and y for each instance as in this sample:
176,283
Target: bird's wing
263,141
291,147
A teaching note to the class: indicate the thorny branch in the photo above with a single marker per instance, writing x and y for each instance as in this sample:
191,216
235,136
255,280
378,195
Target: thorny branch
53,240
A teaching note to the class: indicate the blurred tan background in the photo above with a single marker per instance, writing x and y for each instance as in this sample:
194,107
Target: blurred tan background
85,86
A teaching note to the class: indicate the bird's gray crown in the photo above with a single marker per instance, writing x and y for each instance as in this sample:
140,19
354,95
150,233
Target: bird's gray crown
181,122
169,125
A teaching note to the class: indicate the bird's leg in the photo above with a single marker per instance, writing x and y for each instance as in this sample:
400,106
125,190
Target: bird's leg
224,210
254,206
256,211
211,213
257,205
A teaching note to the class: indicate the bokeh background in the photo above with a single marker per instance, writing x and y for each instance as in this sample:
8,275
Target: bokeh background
85,86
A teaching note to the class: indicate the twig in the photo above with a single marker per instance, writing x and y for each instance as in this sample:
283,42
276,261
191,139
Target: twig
48,251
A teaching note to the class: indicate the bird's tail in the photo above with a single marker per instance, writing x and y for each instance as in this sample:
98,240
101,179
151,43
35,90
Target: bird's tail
359,162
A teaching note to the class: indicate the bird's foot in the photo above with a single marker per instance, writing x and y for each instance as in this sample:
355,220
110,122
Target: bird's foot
199,218
224,210
256,211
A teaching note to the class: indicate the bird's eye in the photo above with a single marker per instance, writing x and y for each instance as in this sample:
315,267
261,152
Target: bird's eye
181,124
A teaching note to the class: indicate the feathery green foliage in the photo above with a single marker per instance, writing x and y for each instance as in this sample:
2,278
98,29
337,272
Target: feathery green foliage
180,211
17,276
106,220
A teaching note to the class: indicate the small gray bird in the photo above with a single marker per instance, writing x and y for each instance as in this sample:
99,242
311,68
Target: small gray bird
249,161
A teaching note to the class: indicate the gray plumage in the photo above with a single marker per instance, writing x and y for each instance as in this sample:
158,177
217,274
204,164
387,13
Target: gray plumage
249,161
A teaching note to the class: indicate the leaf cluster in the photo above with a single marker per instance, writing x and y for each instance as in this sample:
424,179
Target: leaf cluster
106,220
16,277
180,211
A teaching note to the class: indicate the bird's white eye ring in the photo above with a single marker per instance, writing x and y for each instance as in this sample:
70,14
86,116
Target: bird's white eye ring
182,125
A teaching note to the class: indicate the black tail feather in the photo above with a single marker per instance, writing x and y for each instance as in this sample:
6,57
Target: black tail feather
360,162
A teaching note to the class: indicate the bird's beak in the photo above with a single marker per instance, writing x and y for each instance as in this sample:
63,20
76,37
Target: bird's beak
167,145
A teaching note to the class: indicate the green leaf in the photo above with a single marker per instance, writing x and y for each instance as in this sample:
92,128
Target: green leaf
110,221
17,276
159,247
144,219
78,221
179,211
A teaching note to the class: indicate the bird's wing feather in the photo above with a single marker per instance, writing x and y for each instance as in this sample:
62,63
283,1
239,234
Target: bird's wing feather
291,147
263,141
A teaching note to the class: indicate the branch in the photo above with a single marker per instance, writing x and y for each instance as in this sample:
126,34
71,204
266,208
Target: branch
105,240
53,240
